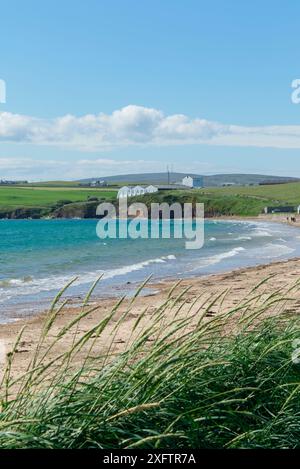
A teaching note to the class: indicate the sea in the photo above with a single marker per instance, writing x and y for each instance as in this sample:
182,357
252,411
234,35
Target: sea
39,257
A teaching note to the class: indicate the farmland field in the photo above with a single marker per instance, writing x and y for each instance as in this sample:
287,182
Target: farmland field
43,197
233,200
284,193
236,200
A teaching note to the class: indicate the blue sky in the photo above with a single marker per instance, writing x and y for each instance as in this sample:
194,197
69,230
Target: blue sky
105,87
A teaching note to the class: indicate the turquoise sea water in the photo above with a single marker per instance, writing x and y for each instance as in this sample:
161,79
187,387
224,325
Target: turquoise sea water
38,257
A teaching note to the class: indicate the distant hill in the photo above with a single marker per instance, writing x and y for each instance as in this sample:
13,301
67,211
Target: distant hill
220,179
144,178
209,181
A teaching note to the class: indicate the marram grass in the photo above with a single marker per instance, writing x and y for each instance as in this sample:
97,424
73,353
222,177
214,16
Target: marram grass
183,380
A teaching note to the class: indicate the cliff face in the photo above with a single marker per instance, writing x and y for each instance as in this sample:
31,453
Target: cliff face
24,212
77,210
72,210
69,210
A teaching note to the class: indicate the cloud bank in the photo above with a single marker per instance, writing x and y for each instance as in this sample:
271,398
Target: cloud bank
49,169
137,125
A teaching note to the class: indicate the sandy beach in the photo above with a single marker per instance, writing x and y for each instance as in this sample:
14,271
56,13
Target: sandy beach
227,289
271,218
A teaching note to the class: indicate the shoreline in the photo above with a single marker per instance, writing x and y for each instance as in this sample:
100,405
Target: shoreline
238,281
33,308
269,218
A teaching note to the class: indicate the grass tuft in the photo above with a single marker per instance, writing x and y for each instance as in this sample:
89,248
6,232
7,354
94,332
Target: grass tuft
185,379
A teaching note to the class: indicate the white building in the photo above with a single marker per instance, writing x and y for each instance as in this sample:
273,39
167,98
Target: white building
151,189
124,192
192,182
137,190
98,183
188,181
127,191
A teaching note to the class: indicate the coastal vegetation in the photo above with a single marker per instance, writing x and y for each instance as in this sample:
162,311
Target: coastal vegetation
37,202
67,202
234,200
214,204
288,194
219,379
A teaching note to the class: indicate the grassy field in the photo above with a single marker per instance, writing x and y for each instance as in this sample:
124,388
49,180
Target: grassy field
235,200
173,387
54,184
277,193
67,184
215,204
230,201
15,197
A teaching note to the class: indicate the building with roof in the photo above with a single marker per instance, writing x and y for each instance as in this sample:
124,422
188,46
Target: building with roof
192,182
151,189
124,192
137,190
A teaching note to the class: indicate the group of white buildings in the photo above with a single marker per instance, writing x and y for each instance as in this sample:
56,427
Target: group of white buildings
187,182
127,191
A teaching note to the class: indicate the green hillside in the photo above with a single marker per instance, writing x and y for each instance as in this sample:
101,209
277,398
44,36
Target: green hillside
42,201
277,193
230,201
31,197
234,200
215,205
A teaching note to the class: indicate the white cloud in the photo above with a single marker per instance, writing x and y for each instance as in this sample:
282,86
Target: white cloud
43,169
137,125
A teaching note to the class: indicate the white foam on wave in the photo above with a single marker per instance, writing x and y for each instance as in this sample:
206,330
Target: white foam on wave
258,232
212,239
242,238
30,286
273,250
131,268
219,257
